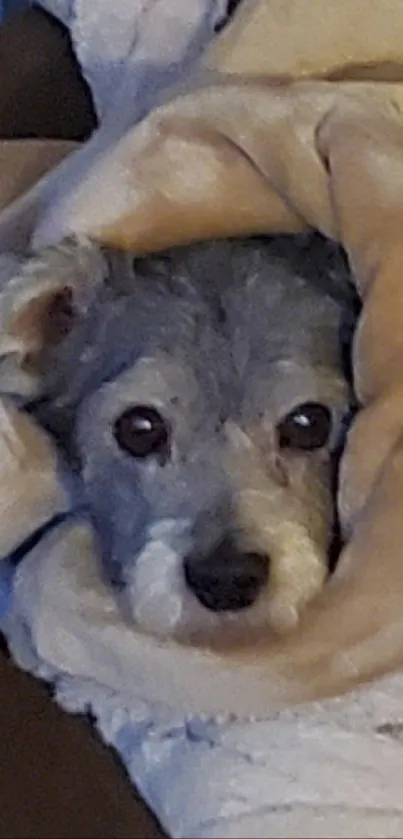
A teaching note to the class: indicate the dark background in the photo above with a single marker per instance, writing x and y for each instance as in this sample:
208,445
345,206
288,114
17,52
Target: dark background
56,778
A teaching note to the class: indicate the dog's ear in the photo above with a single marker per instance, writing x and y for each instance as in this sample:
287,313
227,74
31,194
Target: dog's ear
38,307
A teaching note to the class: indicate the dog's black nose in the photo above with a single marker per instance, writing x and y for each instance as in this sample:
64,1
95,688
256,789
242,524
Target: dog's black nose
226,580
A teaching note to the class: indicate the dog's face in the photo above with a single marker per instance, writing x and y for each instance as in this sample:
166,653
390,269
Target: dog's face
200,399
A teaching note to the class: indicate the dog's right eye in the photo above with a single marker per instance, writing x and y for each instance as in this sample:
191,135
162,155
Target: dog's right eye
307,427
141,432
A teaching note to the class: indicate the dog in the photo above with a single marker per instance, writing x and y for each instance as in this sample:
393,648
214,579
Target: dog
199,397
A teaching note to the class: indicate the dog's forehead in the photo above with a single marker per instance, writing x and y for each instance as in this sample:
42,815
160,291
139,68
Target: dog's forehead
277,313
219,310
140,359
270,395
187,393
286,350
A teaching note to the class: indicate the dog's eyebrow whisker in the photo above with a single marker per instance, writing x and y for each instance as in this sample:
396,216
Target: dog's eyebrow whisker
237,437
260,493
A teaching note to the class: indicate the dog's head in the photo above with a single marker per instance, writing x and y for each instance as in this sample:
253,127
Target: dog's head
200,398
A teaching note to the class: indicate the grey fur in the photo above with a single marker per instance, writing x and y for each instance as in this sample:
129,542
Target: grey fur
222,335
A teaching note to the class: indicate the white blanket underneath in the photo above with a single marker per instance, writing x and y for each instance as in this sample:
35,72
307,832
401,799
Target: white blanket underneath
330,770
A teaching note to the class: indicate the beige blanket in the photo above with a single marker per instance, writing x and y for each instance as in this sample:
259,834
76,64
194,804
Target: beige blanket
276,155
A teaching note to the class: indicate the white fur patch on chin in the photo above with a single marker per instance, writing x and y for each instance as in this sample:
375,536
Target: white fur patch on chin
158,597
156,591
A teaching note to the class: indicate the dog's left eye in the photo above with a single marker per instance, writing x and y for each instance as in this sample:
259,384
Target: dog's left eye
141,432
307,427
